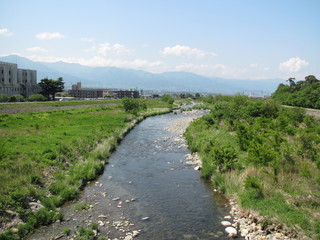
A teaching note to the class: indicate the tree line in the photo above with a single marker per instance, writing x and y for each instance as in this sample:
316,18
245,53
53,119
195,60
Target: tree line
303,93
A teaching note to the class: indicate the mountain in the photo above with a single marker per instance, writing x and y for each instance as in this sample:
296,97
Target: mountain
112,77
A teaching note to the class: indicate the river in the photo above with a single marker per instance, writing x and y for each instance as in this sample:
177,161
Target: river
148,190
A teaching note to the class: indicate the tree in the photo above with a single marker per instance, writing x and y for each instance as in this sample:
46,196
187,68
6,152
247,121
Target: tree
129,104
51,87
311,79
167,98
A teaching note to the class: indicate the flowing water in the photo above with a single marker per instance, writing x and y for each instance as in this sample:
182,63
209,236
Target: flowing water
147,187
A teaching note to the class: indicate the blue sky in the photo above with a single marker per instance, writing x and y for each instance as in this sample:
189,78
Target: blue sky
247,39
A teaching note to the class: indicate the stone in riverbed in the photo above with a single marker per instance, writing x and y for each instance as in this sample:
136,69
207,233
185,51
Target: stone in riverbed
197,168
226,223
232,232
128,237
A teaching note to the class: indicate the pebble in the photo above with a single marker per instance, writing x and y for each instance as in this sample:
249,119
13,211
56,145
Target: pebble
145,218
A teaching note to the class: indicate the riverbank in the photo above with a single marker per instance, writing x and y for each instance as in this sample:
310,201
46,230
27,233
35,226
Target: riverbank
60,151
256,153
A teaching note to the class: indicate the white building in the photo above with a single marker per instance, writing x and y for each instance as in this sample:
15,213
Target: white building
17,81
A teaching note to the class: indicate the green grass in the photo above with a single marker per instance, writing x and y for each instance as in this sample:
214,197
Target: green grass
48,156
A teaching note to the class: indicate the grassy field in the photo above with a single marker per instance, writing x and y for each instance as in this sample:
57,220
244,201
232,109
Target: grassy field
46,157
264,155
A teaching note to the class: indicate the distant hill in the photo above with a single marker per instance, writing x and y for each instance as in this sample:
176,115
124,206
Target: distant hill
112,77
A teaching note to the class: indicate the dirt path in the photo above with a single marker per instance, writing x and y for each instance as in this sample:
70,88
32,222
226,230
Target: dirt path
313,112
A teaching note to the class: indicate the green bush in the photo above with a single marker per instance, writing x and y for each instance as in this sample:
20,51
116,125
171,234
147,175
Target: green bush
224,158
4,98
167,98
36,97
253,188
133,105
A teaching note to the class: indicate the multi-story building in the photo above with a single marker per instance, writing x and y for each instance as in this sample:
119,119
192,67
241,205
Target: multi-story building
79,92
127,93
17,81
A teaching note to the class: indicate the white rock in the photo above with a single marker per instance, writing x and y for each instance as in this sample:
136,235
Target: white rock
145,218
128,237
101,223
135,233
227,217
232,232
226,223
197,168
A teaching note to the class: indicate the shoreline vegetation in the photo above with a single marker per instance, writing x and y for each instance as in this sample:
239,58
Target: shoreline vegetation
265,158
48,156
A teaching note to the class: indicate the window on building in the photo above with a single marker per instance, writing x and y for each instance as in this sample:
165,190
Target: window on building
9,72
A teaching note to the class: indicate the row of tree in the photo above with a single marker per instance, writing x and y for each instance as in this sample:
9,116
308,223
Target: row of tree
304,93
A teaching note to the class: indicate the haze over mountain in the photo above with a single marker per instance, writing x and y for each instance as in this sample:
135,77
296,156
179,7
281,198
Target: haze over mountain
112,77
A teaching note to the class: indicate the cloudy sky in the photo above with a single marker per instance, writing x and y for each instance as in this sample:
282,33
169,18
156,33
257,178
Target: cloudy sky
252,39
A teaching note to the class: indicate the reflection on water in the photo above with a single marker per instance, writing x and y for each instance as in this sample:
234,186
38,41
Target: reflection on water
148,184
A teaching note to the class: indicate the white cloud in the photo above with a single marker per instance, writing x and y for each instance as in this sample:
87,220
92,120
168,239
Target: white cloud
87,39
5,32
179,50
36,49
98,61
48,36
254,65
121,49
212,69
105,49
293,65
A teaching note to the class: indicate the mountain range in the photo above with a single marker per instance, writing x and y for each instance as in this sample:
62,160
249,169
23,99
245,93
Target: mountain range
121,78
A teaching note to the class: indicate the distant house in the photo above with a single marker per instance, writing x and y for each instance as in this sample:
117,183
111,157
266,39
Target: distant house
14,80
79,92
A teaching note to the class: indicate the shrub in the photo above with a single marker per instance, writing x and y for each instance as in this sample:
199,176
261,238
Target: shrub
4,98
224,158
36,97
253,187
